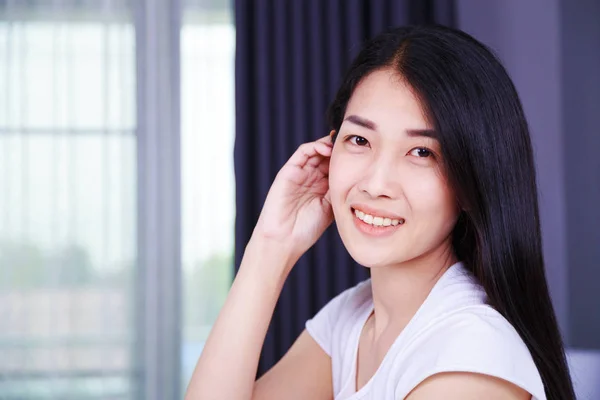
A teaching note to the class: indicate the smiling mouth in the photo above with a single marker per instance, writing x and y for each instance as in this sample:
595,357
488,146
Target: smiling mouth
376,221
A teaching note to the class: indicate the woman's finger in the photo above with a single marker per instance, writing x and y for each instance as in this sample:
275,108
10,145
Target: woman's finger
327,196
323,154
308,150
326,139
324,167
317,160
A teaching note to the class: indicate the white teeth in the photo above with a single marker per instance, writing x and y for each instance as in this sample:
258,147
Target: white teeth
376,221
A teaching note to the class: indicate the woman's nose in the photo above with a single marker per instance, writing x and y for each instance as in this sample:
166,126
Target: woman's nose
381,179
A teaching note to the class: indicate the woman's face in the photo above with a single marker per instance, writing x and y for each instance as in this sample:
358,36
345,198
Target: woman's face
388,192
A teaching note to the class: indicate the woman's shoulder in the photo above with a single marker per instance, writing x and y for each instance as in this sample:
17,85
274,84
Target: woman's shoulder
475,339
477,325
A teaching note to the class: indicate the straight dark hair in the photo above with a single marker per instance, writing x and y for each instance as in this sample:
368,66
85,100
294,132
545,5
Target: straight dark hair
475,110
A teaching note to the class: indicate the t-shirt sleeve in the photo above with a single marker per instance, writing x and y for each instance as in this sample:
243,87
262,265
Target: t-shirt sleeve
478,343
322,325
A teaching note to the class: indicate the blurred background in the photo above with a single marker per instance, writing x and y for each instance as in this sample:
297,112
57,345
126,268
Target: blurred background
83,230
138,139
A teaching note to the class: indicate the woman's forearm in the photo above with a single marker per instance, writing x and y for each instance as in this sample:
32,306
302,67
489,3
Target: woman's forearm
229,361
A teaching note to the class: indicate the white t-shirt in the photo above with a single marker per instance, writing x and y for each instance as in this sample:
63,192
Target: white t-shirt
453,330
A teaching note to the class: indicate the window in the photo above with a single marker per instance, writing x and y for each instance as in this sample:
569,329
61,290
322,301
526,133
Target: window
67,178
70,312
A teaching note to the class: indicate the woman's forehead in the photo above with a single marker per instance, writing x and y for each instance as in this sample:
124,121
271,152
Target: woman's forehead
385,102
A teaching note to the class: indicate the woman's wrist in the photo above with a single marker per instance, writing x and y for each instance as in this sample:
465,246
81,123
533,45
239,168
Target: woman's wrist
269,258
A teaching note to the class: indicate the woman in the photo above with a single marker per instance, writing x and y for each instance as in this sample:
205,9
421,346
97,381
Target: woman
429,175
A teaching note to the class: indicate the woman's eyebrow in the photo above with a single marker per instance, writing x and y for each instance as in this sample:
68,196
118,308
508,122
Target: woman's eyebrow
368,124
360,121
429,133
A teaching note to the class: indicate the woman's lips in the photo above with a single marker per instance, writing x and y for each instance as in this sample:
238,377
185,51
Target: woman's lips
375,212
372,230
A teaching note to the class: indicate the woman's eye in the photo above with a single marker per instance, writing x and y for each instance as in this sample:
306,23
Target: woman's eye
421,152
358,140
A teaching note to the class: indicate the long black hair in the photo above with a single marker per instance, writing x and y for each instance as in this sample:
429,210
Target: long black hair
474,107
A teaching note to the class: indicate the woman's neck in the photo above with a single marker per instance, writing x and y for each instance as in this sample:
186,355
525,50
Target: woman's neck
399,290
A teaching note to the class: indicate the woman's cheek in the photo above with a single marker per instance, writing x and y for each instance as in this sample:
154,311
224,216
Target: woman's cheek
335,173
432,194
348,163
342,173
422,185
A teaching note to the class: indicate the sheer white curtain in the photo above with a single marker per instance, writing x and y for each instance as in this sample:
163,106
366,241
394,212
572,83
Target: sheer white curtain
67,203
116,193
208,196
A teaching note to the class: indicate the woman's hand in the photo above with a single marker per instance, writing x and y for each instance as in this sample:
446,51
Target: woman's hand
297,209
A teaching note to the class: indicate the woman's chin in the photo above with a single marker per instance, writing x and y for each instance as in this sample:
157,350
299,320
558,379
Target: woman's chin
370,260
